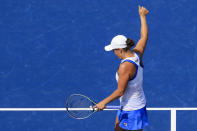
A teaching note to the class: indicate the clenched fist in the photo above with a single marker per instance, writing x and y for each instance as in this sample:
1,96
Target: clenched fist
143,11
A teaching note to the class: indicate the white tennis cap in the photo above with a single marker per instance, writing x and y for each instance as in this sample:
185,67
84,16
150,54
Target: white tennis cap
118,41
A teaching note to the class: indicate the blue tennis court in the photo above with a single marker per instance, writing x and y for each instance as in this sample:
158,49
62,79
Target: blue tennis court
50,49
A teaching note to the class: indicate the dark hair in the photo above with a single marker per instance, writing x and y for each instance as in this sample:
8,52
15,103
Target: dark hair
130,43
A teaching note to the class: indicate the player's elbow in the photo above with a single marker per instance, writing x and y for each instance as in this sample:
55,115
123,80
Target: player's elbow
120,92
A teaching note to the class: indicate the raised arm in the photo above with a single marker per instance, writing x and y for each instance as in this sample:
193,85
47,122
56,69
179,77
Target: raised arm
141,45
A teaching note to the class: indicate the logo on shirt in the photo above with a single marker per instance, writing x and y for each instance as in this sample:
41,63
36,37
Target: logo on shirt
136,60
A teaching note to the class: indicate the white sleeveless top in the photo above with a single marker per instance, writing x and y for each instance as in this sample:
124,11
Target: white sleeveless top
133,97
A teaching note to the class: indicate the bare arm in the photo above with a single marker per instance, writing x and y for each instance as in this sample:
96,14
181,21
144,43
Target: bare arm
126,71
141,45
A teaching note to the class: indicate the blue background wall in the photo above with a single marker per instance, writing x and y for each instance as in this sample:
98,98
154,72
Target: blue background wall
50,49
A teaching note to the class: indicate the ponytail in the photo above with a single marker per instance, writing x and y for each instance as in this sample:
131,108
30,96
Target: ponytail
129,43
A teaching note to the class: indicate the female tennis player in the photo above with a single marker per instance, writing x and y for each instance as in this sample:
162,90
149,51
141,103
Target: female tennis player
133,115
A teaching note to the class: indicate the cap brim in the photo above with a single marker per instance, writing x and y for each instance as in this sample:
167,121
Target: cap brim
108,48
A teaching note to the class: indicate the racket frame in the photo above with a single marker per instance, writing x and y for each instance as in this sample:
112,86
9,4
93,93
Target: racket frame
75,109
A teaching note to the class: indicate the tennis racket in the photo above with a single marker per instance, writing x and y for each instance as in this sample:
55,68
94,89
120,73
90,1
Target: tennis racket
79,106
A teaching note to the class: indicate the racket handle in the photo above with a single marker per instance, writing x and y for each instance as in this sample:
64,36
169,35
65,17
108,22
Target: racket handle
113,107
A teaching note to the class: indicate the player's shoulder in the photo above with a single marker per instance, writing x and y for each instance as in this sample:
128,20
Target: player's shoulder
126,66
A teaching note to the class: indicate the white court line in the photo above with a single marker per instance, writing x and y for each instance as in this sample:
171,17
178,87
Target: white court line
64,109
32,109
189,109
173,120
49,109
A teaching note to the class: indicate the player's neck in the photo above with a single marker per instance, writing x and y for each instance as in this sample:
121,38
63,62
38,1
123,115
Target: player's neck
127,54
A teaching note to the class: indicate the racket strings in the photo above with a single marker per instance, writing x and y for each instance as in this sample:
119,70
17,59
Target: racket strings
78,102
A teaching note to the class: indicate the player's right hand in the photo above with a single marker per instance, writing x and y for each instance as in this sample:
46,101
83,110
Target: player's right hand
142,11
